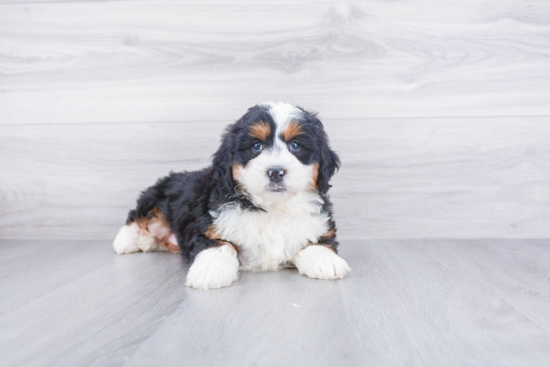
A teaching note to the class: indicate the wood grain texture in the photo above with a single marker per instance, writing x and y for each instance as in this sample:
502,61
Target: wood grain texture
401,178
81,304
406,302
162,60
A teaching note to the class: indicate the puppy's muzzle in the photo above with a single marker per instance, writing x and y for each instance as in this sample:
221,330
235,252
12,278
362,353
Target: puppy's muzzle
275,174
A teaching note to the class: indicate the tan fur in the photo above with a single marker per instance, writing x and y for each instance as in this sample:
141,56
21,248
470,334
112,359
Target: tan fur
156,226
314,176
292,130
236,170
331,233
260,130
222,243
211,233
169,247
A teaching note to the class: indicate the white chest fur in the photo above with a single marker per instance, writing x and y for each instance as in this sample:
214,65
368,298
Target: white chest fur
267,240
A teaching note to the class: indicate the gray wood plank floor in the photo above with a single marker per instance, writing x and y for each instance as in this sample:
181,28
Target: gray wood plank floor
406,303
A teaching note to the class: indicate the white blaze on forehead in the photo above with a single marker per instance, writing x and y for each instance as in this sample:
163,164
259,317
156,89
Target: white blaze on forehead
282,113
253,177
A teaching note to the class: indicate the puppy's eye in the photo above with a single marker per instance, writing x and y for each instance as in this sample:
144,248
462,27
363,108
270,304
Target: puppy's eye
257,147
294,146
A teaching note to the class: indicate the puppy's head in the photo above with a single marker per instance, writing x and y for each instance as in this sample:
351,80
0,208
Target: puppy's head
275,151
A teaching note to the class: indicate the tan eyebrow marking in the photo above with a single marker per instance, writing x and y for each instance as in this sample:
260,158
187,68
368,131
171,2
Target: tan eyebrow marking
260,130
292,130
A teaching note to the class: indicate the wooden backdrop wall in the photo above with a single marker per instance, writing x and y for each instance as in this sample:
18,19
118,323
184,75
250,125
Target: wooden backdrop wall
440,110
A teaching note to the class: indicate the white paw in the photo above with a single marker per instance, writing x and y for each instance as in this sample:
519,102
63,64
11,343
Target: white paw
129,239
321,263
214,268
126,241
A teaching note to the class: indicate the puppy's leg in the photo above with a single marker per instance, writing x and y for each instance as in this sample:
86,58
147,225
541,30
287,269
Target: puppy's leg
147,233
214,267
170,245
320,262
130,239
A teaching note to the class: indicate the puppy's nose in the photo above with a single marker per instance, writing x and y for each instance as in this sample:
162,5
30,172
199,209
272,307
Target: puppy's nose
275,174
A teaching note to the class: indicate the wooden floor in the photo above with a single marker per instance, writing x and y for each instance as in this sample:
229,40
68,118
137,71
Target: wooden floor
406,303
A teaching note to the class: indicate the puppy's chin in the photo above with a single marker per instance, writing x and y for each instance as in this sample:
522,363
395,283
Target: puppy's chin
276,187
271,194
270,197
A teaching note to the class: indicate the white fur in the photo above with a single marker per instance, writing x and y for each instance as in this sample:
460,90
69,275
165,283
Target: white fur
254,180
214,268
298,176
321,263
129,239
282,113
269,240
266,240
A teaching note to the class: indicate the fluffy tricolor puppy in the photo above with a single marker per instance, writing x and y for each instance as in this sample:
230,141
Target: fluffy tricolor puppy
261,206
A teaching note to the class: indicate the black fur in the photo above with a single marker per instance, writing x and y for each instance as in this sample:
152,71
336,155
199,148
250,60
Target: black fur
328,161
186,198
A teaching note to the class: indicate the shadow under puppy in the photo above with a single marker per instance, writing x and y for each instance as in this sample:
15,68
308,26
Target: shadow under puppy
261,206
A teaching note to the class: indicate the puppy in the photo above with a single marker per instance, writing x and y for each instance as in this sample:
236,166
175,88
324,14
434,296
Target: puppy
261,206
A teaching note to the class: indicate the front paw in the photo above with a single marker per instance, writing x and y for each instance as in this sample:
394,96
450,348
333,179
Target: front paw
214,268
320,262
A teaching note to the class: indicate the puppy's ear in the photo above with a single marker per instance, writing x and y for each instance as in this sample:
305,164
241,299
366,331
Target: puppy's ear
222,162
328,164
